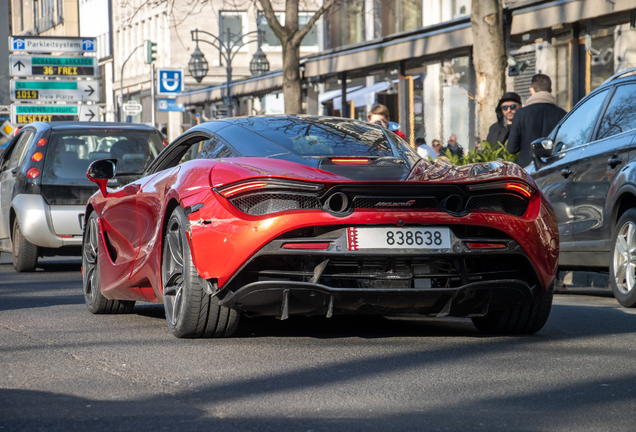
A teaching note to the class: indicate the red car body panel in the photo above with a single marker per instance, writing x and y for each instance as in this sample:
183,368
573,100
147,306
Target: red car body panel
222,238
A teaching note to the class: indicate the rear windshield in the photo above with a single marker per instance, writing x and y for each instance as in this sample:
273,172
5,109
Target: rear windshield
320,137
70,152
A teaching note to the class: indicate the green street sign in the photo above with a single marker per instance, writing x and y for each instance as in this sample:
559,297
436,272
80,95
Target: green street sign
26,113
55,91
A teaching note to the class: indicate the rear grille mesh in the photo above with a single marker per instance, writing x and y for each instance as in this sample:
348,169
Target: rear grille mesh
505,203
389,203
261,204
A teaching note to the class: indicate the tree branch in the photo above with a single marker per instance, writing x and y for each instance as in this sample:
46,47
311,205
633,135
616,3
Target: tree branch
273,22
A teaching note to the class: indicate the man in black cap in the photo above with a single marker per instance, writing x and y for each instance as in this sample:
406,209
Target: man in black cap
505,110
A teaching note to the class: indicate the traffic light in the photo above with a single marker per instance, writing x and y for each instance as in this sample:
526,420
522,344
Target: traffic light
151,52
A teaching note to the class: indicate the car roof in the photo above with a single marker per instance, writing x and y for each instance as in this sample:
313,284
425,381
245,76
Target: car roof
91,125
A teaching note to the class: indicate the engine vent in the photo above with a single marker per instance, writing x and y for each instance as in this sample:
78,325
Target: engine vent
505,203
265,203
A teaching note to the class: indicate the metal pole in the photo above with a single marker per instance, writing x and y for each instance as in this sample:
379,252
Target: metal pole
152,95
229,76
121,82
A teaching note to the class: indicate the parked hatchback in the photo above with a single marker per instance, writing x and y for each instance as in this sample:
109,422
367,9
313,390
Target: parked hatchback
587,169
43,184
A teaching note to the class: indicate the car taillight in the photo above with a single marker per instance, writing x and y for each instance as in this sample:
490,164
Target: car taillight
518,187
306,246
42,142
165,143
33,173
227,193
37,157
473,245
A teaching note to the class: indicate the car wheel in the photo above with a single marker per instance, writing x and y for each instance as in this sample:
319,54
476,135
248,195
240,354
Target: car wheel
526,319
623,262
25,253
95,301
190,311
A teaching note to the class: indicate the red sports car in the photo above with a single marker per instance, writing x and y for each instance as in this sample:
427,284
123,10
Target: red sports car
307,215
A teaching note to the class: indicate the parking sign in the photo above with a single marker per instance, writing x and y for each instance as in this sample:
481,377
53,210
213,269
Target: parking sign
169,81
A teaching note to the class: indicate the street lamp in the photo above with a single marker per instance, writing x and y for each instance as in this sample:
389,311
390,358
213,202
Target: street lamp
198,65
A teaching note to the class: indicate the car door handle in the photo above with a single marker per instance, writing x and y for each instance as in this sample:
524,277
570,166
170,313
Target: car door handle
566,173
614,161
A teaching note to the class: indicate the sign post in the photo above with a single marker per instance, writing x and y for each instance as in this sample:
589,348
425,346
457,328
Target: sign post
34,44
52,66
27,113
169,81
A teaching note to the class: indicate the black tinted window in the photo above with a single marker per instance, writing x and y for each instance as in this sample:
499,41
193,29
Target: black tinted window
576,129
70,152
21,148
621,113
215,148
310,136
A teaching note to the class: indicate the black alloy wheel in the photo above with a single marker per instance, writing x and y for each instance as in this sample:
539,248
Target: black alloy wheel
95,301
190,311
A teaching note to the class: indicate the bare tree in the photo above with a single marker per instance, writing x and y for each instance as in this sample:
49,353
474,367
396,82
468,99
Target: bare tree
489,58
290,37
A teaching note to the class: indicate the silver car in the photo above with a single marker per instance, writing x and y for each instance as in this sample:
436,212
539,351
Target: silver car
43,184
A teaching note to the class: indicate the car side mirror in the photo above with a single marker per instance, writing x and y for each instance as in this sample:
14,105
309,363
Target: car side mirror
100,171
541,148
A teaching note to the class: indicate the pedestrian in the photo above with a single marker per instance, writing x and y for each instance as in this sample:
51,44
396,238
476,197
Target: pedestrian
535,120
455,149
437,146
506,109
379,115
424,149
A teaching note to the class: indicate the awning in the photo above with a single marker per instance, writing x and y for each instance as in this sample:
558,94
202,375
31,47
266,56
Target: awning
436,41
329,95
526,20
264,83
362,97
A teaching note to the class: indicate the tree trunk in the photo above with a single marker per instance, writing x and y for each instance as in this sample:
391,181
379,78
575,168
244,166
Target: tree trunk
489,59
291,79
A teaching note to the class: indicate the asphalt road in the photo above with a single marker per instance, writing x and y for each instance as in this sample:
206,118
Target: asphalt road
62,368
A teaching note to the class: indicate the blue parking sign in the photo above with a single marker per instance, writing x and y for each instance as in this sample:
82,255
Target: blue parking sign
88,45
169,81
19,44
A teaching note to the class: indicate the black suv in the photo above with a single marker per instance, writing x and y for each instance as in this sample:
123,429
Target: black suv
43,184
587,169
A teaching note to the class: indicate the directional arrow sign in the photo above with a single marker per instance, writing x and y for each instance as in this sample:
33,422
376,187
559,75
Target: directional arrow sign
55,90
52,66
27,113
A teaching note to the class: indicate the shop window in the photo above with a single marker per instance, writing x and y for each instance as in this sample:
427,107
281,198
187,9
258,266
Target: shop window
621,113
400,15
344,24
576,129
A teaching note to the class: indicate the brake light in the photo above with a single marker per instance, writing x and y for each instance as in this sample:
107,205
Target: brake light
165,143
15,132
33,173
307,246
350,161
486,245
42,142
242,188
37,157
521,188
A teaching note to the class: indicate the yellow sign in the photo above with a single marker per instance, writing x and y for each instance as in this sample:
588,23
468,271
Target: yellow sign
7,129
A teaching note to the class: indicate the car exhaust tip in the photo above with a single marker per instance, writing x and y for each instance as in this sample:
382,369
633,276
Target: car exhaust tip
337,203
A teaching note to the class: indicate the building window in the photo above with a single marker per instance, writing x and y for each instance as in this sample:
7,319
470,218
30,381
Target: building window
400,15
345,24
47,14
271,41
232,22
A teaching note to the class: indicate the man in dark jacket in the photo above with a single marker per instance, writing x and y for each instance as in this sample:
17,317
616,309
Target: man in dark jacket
535,120
506,109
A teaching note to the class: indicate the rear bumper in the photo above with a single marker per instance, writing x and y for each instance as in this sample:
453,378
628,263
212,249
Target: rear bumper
36,222
284,298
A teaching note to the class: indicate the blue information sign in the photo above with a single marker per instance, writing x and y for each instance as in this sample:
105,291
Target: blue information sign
169,81
169,105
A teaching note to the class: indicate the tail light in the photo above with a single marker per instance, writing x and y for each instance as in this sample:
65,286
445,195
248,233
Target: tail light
37,157
165,143
235,190
33,173
306,246
511,186
42,142
486,245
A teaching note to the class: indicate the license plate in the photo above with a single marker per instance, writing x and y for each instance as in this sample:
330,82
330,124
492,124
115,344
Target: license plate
398,238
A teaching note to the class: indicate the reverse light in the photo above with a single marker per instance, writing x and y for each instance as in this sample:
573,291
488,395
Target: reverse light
350,161
486,245
42,142
306,246
33,173
227,193
37,157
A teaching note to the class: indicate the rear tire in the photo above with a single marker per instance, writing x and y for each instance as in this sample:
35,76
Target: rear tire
623,262
95,301
190,311
25,253
526,319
